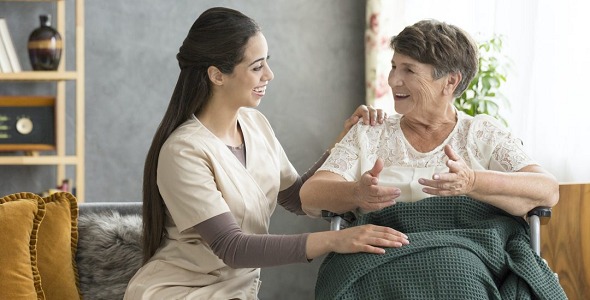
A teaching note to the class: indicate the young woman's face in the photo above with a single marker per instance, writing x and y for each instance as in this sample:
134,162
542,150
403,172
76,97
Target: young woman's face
412,85
247,83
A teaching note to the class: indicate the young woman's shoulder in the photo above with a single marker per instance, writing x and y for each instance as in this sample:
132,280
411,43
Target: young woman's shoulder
189,136
254,118
252,114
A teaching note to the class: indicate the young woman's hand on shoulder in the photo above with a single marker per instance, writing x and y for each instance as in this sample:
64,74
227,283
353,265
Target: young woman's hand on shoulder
369,115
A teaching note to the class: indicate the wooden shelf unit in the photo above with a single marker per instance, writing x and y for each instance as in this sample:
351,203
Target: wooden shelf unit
60,77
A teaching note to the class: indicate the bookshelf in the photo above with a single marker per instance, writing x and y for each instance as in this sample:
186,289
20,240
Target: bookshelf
59,158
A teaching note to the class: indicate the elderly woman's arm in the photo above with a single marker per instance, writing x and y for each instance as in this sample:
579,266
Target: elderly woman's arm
329,191
515,192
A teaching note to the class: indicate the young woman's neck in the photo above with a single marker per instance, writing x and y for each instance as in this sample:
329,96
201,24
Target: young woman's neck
222,121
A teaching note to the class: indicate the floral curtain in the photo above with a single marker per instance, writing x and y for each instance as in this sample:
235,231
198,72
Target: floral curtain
379,29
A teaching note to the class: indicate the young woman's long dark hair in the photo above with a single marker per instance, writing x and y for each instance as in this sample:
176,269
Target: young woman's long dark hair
217,38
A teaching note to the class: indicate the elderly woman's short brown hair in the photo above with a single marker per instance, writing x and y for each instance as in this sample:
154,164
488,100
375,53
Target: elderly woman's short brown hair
448,48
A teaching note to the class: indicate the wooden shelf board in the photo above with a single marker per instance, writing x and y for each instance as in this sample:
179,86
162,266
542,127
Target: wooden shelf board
39,160
31,0
39,75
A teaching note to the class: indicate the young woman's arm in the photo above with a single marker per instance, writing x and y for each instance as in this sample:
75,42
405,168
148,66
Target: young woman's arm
241,250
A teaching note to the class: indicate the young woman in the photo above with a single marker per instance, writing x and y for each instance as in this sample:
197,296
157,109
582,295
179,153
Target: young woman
215,172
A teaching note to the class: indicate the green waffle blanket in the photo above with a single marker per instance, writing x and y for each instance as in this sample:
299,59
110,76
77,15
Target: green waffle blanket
459,248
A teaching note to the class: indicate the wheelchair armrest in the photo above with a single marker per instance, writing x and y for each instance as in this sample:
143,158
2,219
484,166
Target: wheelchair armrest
537,216
543,212
338,221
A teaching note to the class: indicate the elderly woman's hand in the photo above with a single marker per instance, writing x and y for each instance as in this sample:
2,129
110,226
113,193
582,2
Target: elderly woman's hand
370,195
458,181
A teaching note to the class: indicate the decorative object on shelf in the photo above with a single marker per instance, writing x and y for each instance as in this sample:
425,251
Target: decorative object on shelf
27,123
45,46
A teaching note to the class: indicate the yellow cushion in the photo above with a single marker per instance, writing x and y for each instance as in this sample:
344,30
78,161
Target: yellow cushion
56,247
20,217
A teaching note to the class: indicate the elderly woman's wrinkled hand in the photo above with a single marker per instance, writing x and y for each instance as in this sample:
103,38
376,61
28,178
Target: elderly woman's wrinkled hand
372,196
458,181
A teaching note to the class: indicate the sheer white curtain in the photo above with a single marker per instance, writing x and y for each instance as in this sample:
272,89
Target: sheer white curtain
547,87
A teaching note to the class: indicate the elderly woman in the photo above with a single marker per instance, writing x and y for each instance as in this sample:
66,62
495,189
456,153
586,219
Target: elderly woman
428,150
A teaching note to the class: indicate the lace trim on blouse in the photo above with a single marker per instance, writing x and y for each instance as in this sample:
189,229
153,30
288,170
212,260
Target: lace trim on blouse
481,140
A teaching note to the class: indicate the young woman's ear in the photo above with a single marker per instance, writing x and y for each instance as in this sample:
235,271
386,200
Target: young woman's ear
215,75
453,80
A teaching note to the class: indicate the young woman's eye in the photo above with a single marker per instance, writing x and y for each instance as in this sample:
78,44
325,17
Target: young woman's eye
258,68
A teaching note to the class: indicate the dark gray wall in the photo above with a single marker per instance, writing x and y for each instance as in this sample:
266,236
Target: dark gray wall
317,56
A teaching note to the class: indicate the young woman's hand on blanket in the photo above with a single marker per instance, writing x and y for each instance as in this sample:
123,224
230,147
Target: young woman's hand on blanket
365,238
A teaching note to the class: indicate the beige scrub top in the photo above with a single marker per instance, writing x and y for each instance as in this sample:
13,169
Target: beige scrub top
200,178
483,142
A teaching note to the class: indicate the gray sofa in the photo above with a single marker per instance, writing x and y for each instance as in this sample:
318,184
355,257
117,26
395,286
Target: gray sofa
109,248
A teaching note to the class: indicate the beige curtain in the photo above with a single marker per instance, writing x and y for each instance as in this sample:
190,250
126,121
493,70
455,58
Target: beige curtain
546,88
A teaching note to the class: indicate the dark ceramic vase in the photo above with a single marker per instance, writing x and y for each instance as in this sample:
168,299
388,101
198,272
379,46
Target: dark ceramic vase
45,46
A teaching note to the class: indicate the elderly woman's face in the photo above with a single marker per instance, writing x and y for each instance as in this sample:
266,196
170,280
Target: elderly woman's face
412,84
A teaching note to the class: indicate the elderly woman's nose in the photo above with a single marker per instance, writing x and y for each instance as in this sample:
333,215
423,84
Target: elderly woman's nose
393,79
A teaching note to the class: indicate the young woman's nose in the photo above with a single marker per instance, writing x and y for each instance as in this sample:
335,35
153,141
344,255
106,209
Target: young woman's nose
268,74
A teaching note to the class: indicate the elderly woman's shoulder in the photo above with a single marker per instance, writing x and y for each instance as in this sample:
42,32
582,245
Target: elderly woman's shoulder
392,122
389,126
393,119
483,121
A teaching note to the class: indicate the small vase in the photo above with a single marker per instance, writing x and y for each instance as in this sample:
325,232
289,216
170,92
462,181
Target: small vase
45,46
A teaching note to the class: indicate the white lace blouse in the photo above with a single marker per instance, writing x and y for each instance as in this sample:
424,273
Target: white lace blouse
481,141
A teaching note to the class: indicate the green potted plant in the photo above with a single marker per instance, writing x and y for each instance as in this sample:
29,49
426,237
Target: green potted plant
483,96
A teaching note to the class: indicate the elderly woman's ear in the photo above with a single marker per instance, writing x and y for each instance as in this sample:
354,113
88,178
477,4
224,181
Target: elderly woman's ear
453,80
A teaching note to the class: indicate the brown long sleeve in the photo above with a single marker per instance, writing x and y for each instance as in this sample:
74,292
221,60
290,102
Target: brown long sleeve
289,198
241,250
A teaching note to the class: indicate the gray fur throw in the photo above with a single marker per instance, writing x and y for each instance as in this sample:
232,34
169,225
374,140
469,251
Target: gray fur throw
109,253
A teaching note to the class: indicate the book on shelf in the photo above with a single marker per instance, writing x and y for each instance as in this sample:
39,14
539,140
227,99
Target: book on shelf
4,61
9,47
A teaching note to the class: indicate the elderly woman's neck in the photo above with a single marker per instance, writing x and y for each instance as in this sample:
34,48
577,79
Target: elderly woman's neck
425,134
431,121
